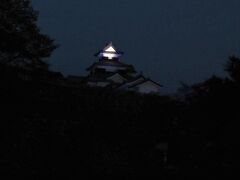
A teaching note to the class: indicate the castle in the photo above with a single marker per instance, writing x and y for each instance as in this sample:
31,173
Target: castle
108,71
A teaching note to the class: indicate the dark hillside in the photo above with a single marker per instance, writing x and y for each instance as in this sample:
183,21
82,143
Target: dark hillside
51,129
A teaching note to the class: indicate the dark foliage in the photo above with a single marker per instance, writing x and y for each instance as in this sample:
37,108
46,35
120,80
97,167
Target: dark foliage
232,67
21,41
51,129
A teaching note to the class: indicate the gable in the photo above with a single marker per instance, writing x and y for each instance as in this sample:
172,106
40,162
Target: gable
110,49
117,78
147,87
132,83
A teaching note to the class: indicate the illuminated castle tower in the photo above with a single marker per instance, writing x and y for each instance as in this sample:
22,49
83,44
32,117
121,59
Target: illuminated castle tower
109,53
109,63
108,71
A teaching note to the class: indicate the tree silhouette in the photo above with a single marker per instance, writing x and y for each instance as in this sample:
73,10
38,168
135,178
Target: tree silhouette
21,42
233,68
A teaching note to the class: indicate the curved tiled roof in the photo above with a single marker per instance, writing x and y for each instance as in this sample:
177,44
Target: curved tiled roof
113,63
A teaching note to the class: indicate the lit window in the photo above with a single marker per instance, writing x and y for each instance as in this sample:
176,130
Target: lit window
109,55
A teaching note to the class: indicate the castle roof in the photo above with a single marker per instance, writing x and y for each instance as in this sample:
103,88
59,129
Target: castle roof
109,52
111,63
137,81
145,80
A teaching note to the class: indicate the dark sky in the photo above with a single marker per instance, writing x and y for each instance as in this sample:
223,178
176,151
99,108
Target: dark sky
169,40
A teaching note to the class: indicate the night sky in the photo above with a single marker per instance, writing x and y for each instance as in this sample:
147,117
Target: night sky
168,40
